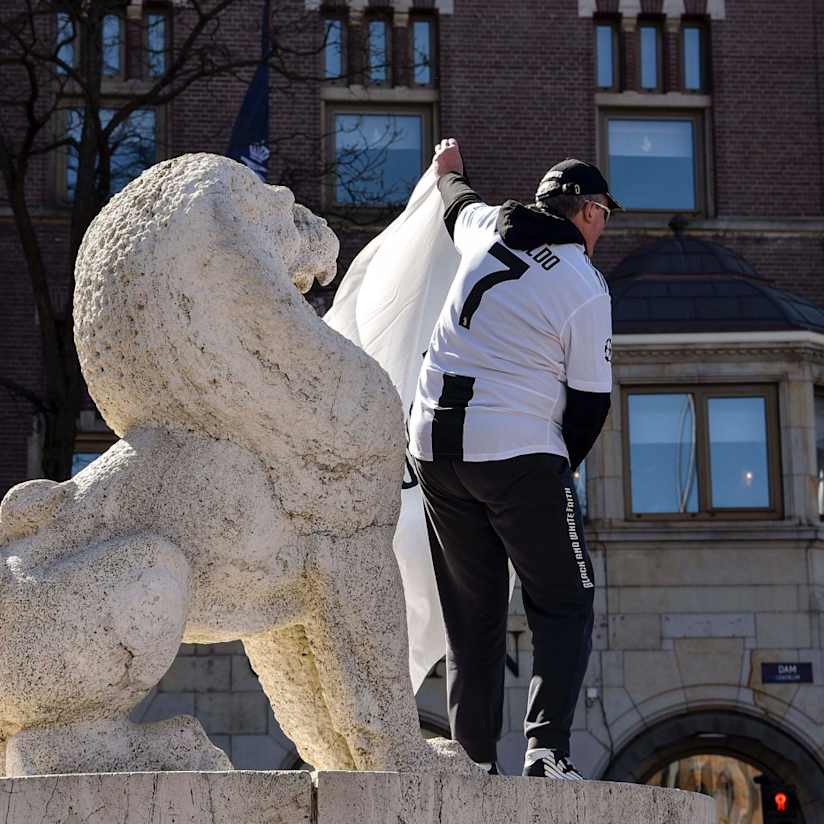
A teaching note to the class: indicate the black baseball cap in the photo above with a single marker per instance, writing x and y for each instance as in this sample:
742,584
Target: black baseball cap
574,177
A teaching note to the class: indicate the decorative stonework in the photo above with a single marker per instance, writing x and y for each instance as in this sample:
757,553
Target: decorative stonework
399,6
751,347
715,9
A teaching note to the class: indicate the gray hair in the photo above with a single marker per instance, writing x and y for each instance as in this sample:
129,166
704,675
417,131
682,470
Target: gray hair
565,205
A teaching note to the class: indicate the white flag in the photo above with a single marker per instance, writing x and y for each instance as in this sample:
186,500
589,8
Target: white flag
388,304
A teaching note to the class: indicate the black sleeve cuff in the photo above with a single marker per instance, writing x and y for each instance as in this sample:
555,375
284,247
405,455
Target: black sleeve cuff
584,418
456,193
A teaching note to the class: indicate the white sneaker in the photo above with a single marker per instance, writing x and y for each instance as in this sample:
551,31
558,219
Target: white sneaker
545,763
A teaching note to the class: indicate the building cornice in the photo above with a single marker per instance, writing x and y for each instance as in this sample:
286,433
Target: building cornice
728,226
377,94
645,100
701,346
791,336
631,534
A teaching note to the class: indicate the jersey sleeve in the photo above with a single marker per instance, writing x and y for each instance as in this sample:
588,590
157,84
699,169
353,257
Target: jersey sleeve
475,220
457,194
587,342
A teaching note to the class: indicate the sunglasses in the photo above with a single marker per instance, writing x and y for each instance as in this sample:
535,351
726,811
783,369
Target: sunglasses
605,208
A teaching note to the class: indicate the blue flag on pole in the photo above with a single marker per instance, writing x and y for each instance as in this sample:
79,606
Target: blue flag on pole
249,143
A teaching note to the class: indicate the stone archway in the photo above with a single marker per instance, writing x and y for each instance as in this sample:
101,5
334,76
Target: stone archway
753,739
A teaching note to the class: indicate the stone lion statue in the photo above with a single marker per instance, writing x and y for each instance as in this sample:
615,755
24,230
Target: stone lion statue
253,495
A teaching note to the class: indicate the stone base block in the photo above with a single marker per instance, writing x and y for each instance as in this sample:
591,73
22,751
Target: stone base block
236,797
337,798
403,798
114,746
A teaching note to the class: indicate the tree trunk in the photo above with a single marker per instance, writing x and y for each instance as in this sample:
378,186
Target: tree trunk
58,445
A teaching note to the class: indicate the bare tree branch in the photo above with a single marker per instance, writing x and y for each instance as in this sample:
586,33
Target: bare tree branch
60,103
17,389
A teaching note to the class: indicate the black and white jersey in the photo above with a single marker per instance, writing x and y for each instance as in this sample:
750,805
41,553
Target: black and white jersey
518,327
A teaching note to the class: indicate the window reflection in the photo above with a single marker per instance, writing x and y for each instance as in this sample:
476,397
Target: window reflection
378,53
111,45
691,44
604,45
662,453
156,42
422,52
133,147
65,40
378,157
738,452
652,163
649,57
333,49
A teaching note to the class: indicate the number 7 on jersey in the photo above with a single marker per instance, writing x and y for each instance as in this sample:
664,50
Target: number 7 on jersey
515,268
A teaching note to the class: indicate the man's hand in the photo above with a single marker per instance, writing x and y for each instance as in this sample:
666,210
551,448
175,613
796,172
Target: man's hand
447,157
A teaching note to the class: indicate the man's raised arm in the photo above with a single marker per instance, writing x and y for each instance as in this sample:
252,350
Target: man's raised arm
455,190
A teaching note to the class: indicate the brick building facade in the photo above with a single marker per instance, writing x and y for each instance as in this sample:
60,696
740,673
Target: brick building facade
723,100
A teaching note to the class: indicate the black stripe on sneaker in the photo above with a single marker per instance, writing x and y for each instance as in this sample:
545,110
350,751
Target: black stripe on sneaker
450,415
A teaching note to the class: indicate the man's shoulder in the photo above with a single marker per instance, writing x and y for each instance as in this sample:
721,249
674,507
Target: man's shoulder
478,217
480,209
577,262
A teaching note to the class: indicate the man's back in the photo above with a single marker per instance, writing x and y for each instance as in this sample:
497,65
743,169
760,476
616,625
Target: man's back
526,315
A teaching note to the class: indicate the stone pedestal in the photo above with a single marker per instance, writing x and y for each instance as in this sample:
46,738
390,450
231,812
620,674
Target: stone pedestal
404,798
337,798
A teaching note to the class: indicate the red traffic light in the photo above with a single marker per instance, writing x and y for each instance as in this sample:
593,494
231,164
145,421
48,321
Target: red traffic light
778,801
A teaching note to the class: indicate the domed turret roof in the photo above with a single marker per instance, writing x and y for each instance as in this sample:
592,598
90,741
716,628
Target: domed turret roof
684,284
681,255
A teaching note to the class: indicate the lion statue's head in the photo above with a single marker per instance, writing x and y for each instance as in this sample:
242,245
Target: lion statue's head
186,311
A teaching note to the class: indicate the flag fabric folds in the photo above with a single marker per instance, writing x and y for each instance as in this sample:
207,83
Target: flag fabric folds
387,304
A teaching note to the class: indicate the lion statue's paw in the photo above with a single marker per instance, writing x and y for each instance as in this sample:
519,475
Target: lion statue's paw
439,756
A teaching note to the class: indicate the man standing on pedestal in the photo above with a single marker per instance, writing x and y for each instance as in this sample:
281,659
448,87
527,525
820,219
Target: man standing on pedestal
513,392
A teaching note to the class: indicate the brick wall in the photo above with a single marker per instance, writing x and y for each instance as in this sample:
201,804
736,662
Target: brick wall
524,100
767,131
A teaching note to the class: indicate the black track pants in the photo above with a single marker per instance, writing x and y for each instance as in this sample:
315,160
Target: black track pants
478,515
